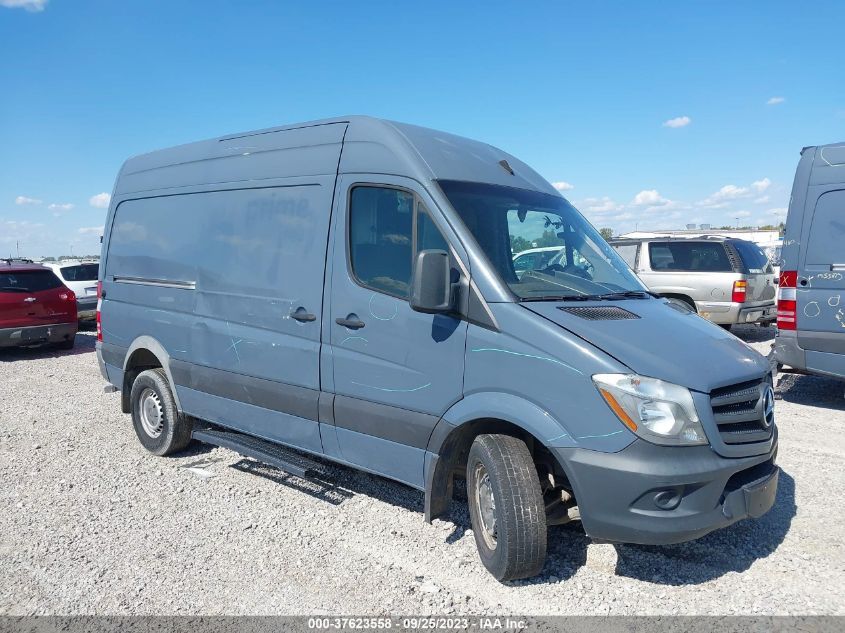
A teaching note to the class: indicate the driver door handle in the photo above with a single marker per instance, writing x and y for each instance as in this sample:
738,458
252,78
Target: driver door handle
351,321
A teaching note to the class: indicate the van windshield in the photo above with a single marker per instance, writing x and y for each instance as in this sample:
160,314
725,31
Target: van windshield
540,245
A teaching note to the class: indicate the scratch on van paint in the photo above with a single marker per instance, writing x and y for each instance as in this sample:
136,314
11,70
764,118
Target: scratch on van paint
110,333
234,345
812,310
833,302
558,437
383,318
586,437
353,338
840,316
512,353
420,388
824,158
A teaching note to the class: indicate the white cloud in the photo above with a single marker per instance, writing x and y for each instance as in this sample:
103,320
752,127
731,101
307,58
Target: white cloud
29,5
562,186
742,214
779,211
761,185
599,205
649,198
679,121
25,199
761,200
90,230
775,101
720,199
67,206
100,201
12,231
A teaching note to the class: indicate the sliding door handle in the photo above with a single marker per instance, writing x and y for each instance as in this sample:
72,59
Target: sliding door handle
303,316
351,321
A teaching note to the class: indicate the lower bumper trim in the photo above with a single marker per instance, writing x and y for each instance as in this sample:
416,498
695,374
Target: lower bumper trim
658,495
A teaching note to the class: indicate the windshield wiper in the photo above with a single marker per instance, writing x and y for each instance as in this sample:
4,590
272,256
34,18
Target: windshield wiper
627,294
608,296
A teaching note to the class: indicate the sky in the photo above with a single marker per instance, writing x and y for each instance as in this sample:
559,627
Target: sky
646,115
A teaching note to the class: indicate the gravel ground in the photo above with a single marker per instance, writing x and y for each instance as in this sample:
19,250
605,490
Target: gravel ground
95,525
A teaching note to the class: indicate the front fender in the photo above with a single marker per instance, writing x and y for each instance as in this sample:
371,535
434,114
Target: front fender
510,408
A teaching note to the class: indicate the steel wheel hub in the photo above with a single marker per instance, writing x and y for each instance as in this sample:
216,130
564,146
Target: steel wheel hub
151,413
486,505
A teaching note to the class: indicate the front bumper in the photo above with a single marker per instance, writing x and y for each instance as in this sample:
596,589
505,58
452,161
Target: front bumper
728,313
37,335
657,495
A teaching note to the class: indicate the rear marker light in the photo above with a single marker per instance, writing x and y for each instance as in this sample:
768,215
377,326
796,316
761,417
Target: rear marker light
738,294
788,300
99,304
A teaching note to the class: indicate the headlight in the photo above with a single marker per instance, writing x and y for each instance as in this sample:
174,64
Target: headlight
657,411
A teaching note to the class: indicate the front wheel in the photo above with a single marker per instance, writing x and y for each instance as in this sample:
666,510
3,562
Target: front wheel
506,507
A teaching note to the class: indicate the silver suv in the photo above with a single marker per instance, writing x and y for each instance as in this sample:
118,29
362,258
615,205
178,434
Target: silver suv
725,280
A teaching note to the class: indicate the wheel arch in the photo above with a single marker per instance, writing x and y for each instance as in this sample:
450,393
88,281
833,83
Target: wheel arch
479,414
144,353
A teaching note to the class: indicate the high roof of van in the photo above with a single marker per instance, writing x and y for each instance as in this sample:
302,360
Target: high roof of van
369,145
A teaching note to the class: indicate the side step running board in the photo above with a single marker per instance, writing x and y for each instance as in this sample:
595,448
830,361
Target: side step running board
262,450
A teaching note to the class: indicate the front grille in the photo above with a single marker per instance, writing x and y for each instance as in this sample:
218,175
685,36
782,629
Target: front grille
600,313
739,413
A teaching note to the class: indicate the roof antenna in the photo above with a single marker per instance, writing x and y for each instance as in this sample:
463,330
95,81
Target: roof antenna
506,167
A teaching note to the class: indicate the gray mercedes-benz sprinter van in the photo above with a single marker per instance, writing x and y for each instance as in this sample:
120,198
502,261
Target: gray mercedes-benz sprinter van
811,313
346,288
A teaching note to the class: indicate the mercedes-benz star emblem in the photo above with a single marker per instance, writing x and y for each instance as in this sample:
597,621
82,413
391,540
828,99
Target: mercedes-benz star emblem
769,407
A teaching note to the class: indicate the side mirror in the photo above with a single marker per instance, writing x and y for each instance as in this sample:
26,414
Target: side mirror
431,284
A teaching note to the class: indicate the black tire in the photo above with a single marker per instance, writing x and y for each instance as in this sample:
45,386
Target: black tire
160,427
726,326
516,548
67,344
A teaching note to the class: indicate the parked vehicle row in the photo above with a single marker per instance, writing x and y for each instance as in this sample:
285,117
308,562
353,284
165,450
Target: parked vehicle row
39,302
348,289
35,307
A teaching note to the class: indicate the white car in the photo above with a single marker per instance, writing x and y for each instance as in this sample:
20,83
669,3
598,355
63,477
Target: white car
534,258
81,277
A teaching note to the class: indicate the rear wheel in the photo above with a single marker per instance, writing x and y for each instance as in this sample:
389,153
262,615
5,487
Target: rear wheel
160,427
506,507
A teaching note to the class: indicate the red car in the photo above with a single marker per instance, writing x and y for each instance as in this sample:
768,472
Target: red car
35,307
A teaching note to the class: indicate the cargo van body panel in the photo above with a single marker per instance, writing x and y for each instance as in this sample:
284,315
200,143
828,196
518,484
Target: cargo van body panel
401,370
346,287
814,254
669,350
530,360
216,289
